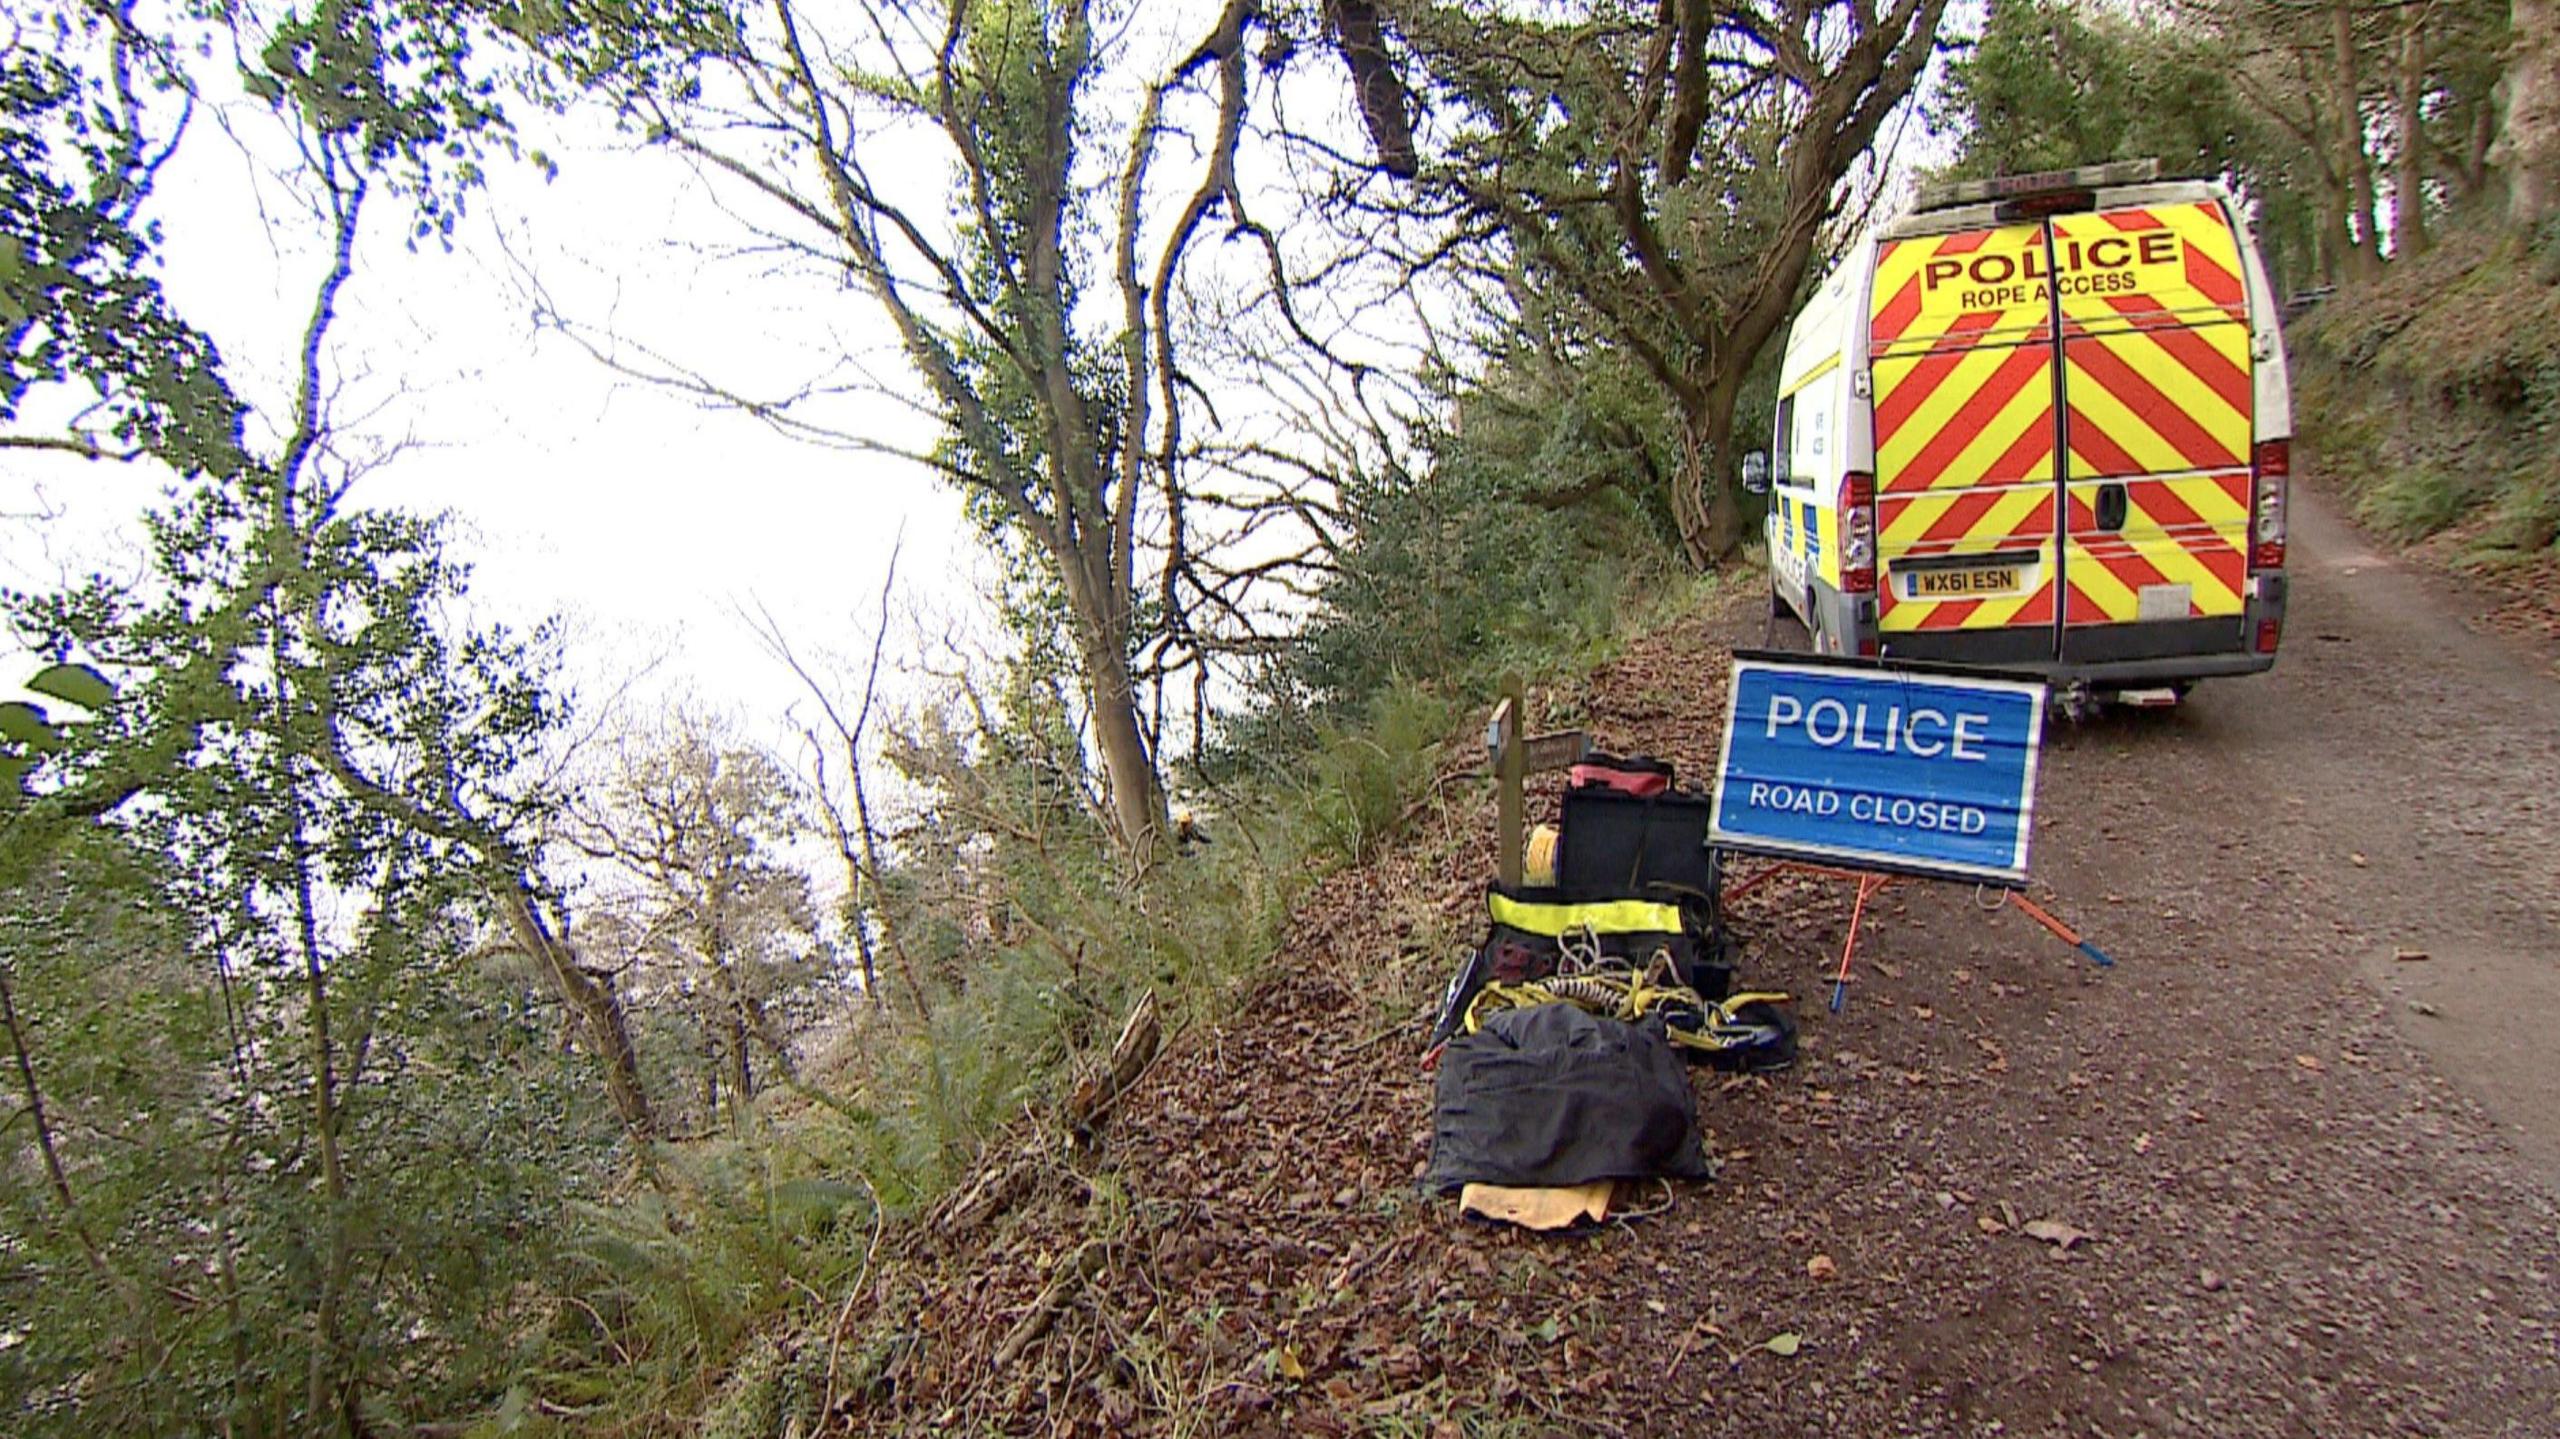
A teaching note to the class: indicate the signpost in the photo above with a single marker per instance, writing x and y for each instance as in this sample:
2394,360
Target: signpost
1513,758
1906,772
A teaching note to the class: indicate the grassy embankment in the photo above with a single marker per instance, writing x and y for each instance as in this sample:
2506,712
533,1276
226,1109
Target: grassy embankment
2430,400
925,1104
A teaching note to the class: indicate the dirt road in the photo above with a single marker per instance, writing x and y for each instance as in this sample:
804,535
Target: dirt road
2402,774
2310,1209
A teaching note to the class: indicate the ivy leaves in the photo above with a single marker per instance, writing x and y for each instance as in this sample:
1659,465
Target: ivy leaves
30,734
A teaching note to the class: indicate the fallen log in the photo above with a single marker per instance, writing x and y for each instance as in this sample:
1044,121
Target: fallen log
1094,1095
991,1193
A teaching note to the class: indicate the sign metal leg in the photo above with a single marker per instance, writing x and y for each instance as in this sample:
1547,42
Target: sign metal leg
1868,884
2059,930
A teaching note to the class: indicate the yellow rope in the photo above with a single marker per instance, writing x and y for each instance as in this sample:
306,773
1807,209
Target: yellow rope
1622,994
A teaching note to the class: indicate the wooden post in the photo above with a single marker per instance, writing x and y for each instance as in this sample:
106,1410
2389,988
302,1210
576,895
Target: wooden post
1510,770
1513,757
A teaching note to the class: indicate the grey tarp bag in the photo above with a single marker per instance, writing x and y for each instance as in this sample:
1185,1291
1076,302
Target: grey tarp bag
1552,1095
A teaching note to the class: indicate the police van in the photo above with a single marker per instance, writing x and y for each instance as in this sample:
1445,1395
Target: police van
2040,423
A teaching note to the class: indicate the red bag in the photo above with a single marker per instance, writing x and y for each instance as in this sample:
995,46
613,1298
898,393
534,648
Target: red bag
1640,775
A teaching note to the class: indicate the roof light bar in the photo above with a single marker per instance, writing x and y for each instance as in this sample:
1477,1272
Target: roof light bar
2043,182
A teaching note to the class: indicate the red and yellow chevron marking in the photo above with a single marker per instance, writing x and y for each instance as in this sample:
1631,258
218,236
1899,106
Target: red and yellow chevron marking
2015,521
2158,395
1962,361
2158,377
2185,531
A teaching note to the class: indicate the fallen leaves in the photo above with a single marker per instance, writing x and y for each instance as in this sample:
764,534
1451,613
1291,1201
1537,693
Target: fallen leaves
2061,1234
1245,1116
1703,1328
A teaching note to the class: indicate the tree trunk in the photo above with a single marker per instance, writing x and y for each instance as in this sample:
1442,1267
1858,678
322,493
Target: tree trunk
594,1003
1703,500
2355,167
2529,143
2336,245
331,1382
866,881
54,1173
742,1079
1128,769
2409,146
2472,171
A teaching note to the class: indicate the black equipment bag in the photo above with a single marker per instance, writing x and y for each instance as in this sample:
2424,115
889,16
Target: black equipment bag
1652,847
1553,1095
1649,846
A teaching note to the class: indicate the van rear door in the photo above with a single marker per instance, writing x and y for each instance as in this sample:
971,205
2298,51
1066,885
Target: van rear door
2131,542
2155,338
1961,350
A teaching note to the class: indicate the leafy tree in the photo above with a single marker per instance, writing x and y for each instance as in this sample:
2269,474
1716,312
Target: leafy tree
79,303
375,101
329,1078
2304,108
1672,168
699,902
291,1092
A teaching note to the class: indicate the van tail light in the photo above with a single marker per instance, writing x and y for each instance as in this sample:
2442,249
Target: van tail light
2268,633
2271,467
1858,534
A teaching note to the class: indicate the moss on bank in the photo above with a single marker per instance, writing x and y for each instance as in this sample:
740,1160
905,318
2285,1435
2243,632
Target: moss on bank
2431,397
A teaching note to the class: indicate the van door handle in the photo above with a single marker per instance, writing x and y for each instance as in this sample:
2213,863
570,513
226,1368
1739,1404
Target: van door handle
2112,507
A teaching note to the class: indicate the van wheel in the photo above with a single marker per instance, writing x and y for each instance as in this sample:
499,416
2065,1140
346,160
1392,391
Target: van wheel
1785,633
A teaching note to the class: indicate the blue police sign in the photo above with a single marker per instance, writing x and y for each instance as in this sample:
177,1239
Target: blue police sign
1928,773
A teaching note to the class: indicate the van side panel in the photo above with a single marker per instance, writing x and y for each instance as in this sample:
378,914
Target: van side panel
1805,453
2157,375
1961,351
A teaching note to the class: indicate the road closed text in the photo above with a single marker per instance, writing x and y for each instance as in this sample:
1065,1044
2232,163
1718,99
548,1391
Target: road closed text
1892,811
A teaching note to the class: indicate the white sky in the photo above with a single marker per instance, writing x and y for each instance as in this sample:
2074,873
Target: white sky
640,519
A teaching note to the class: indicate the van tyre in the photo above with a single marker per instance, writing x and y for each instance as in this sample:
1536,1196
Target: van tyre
1785,631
